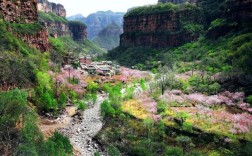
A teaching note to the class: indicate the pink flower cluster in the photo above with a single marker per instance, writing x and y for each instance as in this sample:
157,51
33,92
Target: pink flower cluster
242,123
133,73
148,104
63,78
226,98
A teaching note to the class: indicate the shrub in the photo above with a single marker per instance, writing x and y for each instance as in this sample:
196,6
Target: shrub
113,151
249,99
82,105
62,100
107,109
173,151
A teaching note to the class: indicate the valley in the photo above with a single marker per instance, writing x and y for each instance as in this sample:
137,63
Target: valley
170,78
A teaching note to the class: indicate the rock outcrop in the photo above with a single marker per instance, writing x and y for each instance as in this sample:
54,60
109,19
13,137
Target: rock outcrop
53,17
177,1
48,7
25,12
78,30
19,11
98,21
164,29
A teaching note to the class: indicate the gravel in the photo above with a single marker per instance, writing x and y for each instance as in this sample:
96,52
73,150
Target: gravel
83,128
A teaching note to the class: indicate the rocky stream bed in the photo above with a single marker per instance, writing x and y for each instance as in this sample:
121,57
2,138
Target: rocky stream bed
83,128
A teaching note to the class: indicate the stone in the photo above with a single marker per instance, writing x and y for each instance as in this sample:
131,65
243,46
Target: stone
48,7
159,29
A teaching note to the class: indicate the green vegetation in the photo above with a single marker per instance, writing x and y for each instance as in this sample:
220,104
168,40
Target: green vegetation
19,129
51,17
151,9
25,29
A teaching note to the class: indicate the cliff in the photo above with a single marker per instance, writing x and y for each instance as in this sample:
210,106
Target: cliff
177,1
78,30
19,11
48,7
237,16
98,21
170,27
109,37
22,16
56,25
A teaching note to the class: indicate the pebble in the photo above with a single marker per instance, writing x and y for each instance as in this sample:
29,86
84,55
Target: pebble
83,129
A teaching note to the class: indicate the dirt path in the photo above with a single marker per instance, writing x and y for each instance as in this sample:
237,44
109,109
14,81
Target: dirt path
81,131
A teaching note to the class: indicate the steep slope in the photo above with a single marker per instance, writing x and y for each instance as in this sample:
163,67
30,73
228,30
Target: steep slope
97,21
162,25
109,37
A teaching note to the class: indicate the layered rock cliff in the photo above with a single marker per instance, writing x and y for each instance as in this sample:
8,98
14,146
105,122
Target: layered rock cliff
170,27
78,30
48,7
98,21
23,14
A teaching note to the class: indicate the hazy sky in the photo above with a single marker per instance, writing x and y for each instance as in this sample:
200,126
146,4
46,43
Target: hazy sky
85,7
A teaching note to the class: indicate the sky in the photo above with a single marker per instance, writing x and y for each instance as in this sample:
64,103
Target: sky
86,7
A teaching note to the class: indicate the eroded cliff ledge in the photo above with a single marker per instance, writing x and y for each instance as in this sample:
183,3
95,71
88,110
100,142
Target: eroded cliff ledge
171,27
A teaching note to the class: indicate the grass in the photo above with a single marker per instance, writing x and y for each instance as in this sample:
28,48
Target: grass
51,17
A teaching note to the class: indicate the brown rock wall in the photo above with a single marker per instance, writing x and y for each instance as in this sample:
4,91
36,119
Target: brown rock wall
19,11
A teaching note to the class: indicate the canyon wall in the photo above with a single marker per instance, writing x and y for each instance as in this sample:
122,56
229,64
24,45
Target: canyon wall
78,30
164,29
19,11
25,12
48,7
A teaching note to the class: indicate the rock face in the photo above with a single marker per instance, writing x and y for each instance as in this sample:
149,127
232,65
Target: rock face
98,21
239,9
25,12
160,29
109,37
78,30
177,1
19,11
48,7
58,26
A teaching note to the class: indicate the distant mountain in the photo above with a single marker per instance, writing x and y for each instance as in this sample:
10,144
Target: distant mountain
109,37
78,17
98,21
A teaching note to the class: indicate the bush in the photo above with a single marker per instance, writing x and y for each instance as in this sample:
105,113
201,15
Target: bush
107,109
249,100
113,151
82,105
62,100
173,151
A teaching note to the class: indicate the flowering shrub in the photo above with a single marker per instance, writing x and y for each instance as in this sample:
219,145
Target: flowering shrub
126,72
